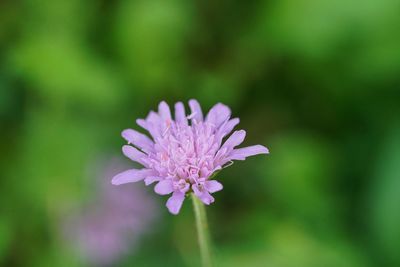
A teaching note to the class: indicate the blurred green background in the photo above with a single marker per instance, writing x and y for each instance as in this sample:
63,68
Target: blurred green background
316,81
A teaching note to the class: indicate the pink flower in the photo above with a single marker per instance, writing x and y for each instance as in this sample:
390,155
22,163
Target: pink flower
181,156
111,224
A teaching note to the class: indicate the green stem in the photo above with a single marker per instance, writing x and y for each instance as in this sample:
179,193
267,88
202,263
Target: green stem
202,231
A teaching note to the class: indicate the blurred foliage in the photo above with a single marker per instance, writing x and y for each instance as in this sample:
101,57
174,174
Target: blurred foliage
316,81
384,197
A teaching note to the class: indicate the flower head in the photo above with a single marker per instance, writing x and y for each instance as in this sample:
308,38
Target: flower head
184,152
113,222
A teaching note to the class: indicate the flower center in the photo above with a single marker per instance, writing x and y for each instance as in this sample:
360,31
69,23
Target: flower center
184,152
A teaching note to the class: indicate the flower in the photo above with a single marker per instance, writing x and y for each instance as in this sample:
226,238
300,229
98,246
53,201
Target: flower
113,222
181,156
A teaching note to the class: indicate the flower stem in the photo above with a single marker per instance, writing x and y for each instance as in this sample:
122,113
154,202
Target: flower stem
202,231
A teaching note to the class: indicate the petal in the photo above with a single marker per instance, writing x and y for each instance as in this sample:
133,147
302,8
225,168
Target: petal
180,116
226,128
142,123
164,111
243,153
203,195
196,110
131,176
235,139
220,156
206,198
213,186
196,190
155,130
134,154
154,124
153,117
152,120
151,179
164,187
174,203
218,114
138,139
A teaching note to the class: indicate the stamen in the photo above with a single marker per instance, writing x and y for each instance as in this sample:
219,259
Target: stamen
230,163
166,129
191,116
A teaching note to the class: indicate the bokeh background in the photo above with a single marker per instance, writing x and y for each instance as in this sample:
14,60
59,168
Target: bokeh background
315,81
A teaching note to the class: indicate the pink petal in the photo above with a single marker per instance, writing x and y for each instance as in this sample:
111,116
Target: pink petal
164,111
153,124
213,186
235,139
142,123
206,198
153,117
196,110
226,128
134,154
151,179
196,190
130,176
164,187
203,195
180,116
175,202
149,124
218,114
243,153
138,139
220,157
